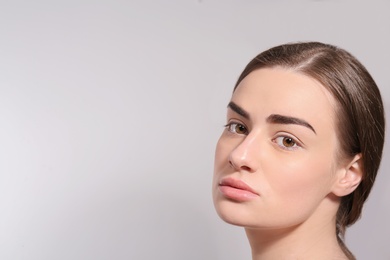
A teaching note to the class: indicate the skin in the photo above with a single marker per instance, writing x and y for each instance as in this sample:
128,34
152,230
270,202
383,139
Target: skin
290,165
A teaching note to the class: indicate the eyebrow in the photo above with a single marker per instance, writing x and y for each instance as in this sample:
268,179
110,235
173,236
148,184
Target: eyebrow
286,120
236,108
274,118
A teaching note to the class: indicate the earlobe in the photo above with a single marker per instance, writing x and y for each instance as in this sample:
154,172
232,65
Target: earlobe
349,177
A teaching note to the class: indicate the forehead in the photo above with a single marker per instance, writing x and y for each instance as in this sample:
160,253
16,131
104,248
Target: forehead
286,92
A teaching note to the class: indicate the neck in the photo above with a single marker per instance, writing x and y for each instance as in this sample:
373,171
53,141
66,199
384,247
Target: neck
312,239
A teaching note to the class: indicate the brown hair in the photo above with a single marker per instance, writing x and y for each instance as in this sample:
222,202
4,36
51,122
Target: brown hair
360,115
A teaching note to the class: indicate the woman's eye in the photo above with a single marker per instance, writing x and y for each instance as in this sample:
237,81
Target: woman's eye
286,142
237,128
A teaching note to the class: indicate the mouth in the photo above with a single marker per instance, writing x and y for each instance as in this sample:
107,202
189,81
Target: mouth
236,190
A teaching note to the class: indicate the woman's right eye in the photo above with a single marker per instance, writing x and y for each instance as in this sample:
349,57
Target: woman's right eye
237,128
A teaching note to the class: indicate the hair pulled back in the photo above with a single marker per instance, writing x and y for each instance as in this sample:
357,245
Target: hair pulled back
360,114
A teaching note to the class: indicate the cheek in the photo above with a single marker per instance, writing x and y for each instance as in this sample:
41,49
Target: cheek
303,181
219,151
220,162
220,159
222,151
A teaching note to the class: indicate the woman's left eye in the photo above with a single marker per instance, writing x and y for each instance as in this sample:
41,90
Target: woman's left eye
286,142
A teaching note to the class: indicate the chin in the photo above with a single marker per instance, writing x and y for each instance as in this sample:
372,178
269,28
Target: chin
245,215
234,213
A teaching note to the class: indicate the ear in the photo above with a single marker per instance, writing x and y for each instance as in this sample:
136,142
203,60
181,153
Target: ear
349,177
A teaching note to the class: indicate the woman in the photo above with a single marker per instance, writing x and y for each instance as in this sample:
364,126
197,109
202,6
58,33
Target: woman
300,151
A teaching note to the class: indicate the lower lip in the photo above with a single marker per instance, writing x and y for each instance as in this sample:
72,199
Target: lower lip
237,194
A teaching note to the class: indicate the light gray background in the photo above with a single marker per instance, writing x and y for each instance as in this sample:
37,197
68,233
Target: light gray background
110,111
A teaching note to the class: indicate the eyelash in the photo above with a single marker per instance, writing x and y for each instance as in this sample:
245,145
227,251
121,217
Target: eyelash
230,127
278,140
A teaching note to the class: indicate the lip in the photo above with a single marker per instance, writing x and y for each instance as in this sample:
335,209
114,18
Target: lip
236,190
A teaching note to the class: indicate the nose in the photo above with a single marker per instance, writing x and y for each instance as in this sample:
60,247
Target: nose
245,157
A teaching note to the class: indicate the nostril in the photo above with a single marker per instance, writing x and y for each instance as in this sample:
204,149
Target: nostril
246,168
241,168
231,164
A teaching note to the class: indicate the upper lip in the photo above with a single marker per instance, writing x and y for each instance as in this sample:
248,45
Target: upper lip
238,184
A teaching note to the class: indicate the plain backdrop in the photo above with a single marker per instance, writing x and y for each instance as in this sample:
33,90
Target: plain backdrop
110,111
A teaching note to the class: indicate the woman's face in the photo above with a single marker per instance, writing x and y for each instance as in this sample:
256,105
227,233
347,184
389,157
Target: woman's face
275,161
